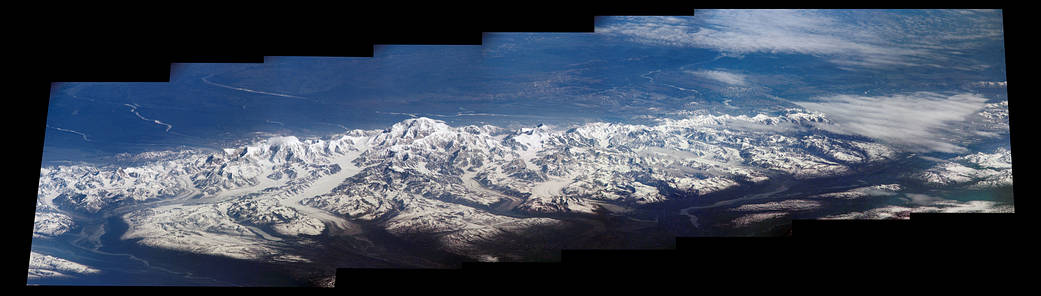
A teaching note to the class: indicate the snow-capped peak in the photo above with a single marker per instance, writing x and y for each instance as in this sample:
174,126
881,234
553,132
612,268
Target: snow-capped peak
418,127
410,130
281,141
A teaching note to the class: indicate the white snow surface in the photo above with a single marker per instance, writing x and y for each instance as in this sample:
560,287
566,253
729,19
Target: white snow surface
50,224
46,266
752,219
945,206
785,205
978,170
860,192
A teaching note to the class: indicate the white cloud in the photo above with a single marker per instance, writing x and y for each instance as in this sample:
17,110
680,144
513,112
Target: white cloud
721,76
920,121
864,38
922,199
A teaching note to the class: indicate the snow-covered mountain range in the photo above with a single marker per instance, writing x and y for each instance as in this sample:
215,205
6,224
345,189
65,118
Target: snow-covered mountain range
463,186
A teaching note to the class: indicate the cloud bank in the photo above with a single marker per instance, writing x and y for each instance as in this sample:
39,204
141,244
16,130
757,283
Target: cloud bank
867,38
919,122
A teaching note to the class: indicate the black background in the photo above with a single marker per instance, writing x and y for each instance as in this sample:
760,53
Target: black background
55,43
